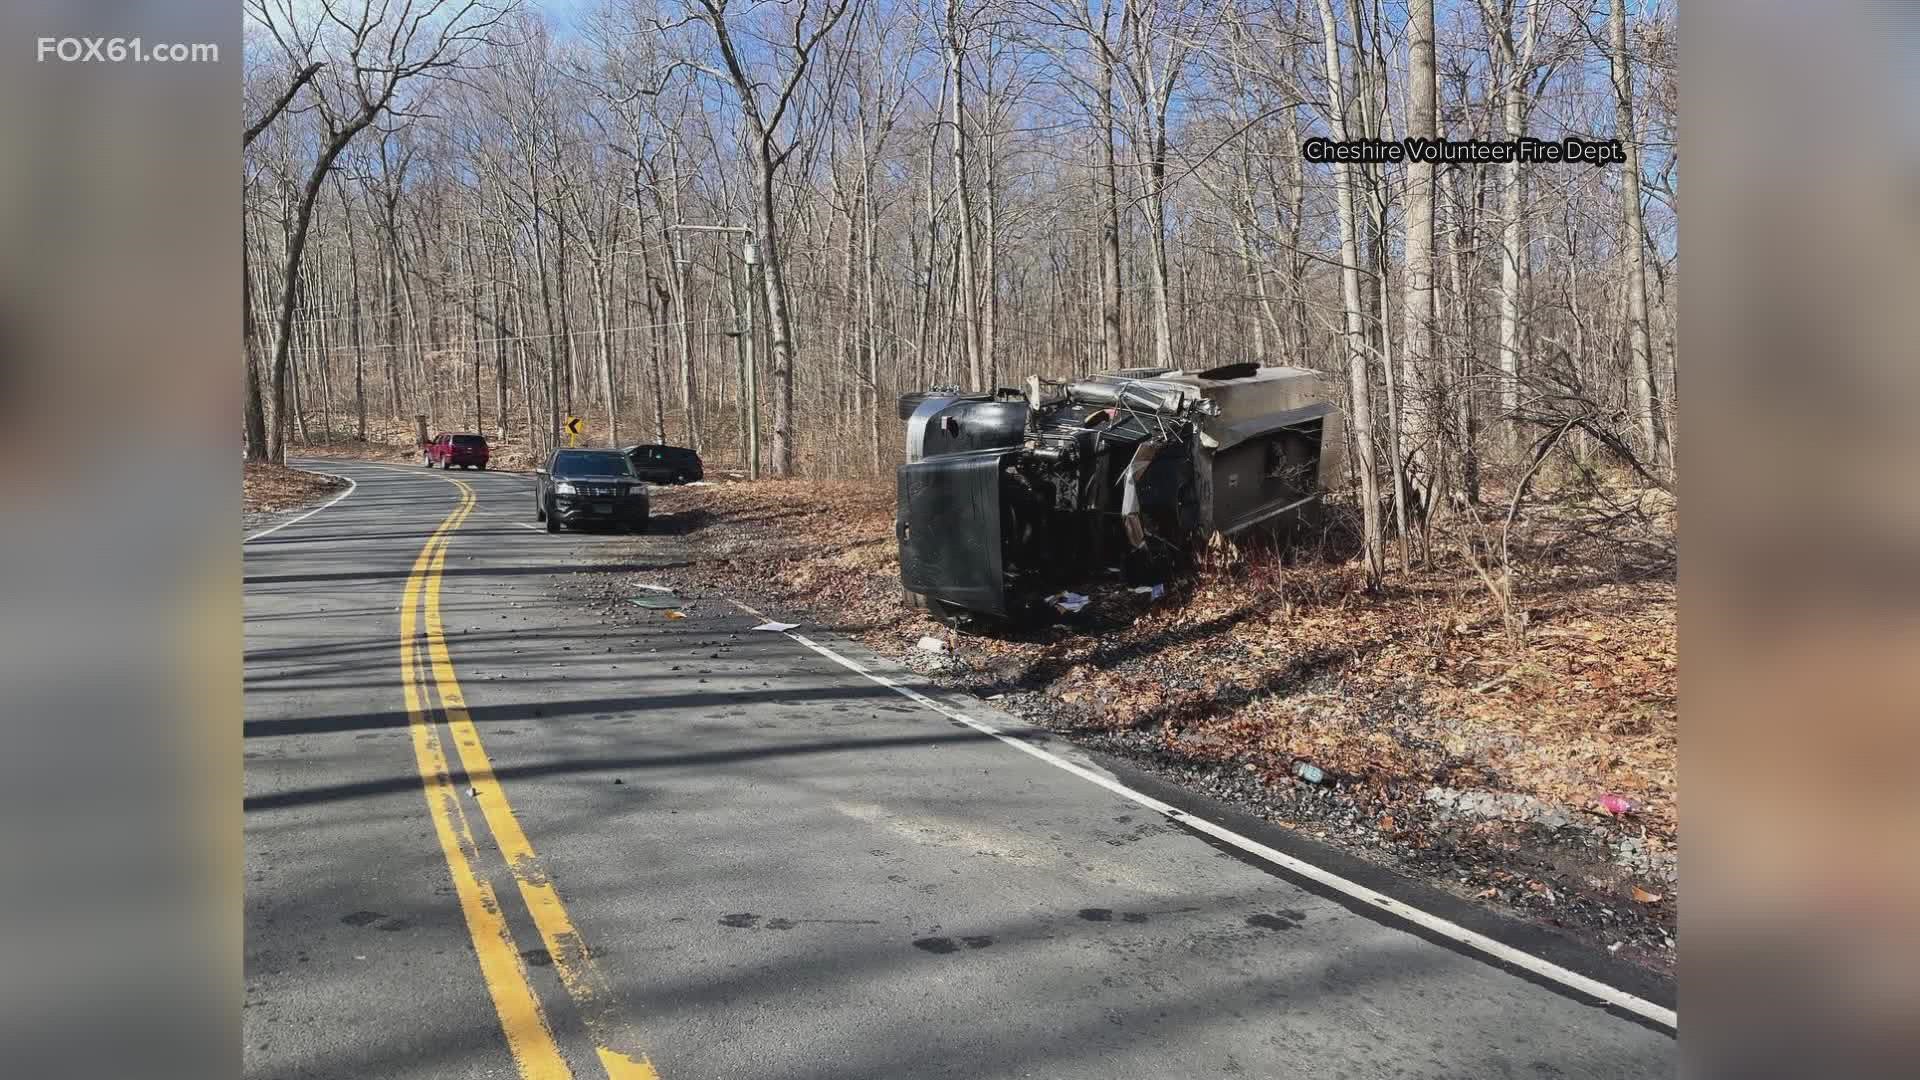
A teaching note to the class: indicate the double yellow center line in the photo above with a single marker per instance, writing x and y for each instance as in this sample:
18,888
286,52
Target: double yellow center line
522,1018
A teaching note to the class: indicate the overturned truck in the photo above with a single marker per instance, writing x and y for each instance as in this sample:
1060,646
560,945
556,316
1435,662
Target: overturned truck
1006,497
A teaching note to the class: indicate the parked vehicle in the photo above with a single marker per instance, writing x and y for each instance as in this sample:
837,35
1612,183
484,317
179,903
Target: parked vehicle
577,487
467,451
665,464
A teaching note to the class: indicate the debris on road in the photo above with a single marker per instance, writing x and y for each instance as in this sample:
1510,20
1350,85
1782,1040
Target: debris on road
931,645
776,627
676,614
1226,673
653,588
1616,804
663,602
1069,603
1152,592
1311,773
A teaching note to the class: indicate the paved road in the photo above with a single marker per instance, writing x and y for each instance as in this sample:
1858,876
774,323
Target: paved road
490,834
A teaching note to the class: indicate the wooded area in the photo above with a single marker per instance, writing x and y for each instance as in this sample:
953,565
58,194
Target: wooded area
498,216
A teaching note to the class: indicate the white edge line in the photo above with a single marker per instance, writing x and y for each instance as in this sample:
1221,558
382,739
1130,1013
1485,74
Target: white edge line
351,485
1498,950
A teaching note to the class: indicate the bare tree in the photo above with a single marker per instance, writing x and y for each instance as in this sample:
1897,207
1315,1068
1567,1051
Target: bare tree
256,417
1516,101
769,149
1353,339
1159,38
1424,378
366,58
1646,395
946,191
957,31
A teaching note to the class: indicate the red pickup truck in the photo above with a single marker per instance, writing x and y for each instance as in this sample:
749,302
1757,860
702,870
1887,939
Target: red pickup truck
469,451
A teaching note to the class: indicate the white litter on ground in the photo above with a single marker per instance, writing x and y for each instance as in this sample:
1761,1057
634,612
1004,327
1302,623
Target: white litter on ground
1069,602
777,627
932,645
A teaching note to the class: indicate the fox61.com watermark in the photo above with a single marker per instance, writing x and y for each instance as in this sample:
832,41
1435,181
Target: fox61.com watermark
122,50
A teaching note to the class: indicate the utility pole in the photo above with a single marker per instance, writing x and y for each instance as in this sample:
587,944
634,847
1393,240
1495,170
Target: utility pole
743,335
749,375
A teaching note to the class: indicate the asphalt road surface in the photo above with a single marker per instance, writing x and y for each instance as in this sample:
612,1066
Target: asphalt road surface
490,833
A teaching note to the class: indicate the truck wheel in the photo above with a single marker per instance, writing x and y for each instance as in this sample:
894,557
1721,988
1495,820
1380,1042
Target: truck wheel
553,523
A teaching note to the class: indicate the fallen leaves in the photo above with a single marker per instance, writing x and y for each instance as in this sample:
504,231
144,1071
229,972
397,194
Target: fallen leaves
267,488
1259,661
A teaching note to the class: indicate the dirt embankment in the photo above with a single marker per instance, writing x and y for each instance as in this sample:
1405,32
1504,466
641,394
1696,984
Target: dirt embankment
1534,770
272,489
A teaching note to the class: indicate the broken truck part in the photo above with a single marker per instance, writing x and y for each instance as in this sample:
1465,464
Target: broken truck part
1008,496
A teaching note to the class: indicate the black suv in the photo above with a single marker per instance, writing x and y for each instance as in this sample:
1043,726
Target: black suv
665,464
578,486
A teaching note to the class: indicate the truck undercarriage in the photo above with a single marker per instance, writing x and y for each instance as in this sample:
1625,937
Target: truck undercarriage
1009,496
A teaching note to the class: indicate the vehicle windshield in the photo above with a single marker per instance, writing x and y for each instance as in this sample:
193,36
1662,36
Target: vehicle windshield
470,440
590,463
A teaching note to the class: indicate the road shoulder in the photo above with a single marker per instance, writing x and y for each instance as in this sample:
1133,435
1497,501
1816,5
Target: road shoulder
272,495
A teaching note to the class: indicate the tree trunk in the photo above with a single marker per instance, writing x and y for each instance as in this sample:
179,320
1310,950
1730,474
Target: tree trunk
1157,247
353,317
1359,388
657,300
501,346
683,305
1646,396
526,375
1110,217
296,246
1423,382
779,324
990,311
1514,242
969,287
256,412
869,339
546,305
473,320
